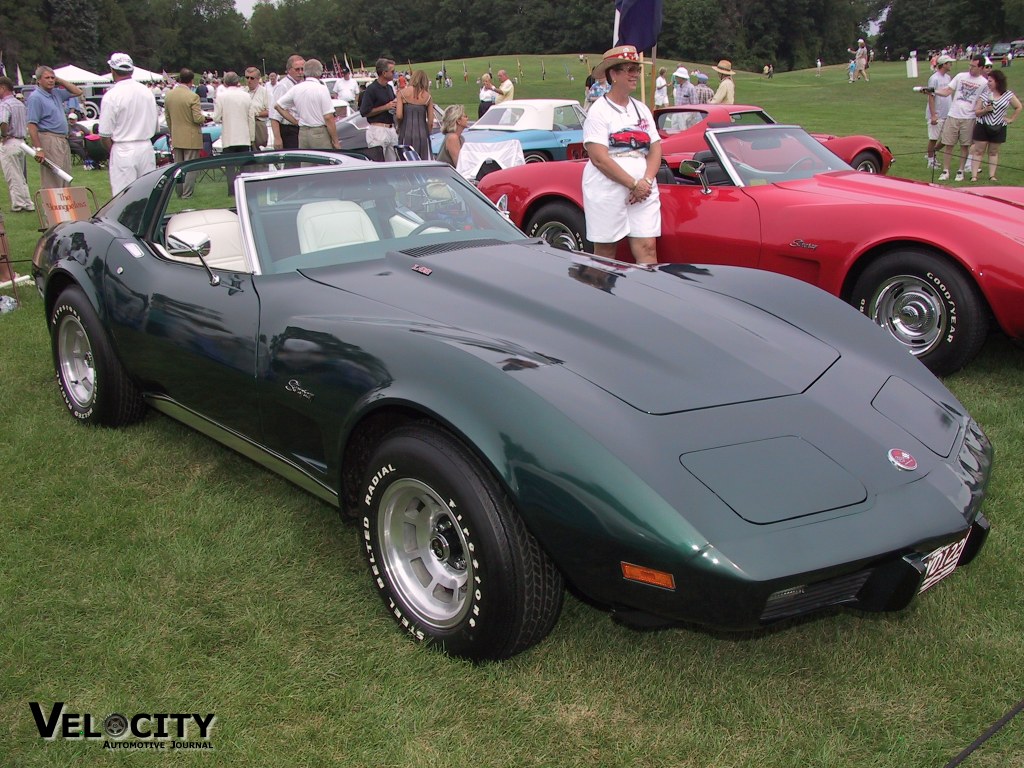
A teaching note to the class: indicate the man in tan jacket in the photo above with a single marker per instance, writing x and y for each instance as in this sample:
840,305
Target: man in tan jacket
184,121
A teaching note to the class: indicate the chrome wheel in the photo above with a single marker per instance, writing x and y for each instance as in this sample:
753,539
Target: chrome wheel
911,310
866,162
425,553
559,235
76,363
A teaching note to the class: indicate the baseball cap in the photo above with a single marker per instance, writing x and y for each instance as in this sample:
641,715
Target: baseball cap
121,62
944,59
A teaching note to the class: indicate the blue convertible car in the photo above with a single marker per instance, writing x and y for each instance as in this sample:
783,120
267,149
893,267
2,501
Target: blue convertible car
545,127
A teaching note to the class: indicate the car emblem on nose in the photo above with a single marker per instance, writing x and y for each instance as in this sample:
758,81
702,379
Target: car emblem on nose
902,460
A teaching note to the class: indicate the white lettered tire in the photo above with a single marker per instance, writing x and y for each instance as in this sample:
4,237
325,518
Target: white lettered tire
928,304
447,551
92,381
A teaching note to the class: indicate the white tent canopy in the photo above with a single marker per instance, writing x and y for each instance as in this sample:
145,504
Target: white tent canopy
74,74
145,75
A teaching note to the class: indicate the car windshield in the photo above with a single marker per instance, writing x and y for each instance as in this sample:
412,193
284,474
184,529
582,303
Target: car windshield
772,154
319,218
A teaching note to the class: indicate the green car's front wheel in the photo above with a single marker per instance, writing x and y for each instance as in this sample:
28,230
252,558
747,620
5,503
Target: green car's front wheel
452,560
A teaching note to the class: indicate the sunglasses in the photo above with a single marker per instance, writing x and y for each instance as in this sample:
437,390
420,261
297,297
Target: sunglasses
632,70
251,77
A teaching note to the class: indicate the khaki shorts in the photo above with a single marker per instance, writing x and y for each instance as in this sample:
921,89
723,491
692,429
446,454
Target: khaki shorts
957,130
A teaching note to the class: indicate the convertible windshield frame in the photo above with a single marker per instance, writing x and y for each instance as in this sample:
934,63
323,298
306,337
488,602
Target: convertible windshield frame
306,218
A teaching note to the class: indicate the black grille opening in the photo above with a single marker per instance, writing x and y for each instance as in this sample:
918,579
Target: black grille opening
458,245
812,597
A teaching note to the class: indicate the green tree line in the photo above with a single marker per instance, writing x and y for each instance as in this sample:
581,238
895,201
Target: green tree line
211,34
930,25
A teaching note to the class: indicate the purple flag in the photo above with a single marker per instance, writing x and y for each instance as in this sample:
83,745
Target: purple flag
638,23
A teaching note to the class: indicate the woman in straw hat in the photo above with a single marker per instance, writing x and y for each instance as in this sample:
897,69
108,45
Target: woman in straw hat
620,194
726,93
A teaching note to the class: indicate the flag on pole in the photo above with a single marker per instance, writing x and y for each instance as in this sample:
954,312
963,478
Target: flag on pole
465,72
3,69
519,66
20,80
347,65
637,23
543,72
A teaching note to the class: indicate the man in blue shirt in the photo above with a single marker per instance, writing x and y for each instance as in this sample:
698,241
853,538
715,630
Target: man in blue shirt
48,124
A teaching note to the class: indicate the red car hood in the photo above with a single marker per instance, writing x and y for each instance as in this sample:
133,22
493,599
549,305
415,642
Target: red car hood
868,188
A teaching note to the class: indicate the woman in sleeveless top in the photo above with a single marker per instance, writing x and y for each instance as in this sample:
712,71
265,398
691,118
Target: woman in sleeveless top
453,124
415,114
991,109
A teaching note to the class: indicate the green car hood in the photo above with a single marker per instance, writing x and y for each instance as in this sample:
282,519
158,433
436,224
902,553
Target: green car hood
658,344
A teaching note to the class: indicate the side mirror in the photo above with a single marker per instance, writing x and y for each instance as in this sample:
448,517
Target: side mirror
191,243
691,169
695,169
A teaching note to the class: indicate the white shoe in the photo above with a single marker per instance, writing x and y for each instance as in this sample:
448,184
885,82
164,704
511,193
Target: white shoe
959,176
967,165
944,176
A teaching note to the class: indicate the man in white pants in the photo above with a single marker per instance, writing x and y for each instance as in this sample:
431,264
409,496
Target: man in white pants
128,121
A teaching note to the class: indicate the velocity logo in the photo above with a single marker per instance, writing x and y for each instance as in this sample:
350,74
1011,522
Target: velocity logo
162,730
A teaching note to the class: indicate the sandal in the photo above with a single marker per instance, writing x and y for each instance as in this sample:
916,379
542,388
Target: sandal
993,179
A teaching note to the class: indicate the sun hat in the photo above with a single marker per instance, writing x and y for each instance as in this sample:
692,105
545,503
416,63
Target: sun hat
682,73
944,59
621,54
724,67
121,62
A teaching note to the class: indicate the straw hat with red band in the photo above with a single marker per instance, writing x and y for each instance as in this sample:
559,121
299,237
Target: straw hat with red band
622,54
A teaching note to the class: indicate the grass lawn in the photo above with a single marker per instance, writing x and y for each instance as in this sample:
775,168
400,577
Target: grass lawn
149,570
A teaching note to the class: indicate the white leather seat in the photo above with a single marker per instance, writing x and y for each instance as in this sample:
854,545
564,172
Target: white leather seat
333,223
224,231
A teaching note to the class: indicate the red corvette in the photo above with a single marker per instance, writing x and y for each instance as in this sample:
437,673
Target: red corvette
682,131
935,267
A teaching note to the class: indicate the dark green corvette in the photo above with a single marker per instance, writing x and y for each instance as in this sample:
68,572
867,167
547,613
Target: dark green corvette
695,444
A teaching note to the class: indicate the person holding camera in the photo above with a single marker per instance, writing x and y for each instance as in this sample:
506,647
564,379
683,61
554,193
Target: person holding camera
991,110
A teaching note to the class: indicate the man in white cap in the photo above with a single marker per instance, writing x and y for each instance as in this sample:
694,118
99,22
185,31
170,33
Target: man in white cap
860,61
683,91
938,106
128,121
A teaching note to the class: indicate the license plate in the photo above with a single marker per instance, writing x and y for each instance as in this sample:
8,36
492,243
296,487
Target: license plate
942,562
